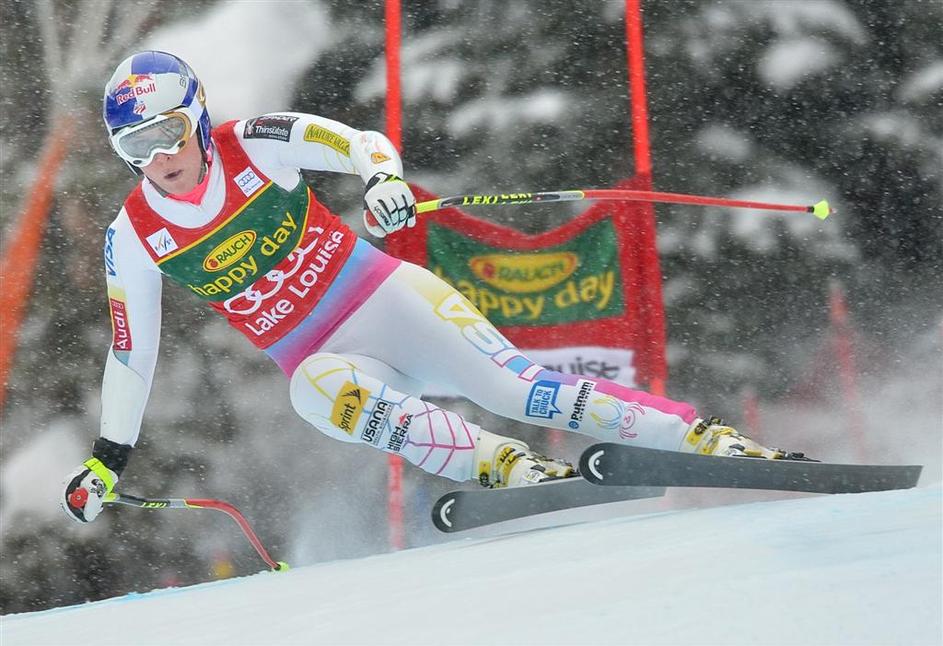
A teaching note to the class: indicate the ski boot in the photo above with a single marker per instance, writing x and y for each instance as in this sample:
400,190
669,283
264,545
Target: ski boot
504,462
713,437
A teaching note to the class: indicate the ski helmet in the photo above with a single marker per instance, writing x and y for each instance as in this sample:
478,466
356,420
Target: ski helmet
153,103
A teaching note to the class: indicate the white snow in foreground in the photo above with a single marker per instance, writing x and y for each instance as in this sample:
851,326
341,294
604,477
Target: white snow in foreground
851,569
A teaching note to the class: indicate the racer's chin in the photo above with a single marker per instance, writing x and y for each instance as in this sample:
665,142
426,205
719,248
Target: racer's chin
178,181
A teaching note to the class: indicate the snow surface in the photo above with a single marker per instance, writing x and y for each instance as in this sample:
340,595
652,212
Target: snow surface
851,569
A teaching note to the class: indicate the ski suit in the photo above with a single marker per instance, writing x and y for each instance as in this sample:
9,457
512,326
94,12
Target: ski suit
358,332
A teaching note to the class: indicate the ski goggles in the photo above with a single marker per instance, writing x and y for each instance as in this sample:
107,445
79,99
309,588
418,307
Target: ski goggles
166,133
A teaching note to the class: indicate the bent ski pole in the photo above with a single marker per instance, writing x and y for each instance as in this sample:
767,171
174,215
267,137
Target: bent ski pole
201,503
820,209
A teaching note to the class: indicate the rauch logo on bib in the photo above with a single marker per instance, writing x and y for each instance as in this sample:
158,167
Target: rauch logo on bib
229,251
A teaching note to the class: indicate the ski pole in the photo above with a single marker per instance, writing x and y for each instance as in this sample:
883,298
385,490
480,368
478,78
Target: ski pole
820,209
201,503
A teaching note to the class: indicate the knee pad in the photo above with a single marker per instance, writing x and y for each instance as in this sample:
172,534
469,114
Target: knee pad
334,394
327,390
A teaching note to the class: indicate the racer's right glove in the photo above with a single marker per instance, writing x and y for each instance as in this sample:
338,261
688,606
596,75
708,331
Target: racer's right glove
389,205
86,489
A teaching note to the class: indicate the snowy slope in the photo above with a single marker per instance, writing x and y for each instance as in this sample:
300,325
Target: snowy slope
852,569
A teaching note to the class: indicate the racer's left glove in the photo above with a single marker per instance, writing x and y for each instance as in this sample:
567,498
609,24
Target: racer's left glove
86,489
388,205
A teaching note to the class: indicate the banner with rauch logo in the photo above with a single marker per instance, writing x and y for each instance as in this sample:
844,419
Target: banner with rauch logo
584,298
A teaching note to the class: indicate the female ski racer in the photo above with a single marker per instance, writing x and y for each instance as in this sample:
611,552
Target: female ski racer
225,212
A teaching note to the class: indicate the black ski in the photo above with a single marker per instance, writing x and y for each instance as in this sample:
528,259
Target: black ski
621,465
461,510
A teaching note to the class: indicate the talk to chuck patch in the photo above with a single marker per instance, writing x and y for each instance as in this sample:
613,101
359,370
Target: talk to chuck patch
270,126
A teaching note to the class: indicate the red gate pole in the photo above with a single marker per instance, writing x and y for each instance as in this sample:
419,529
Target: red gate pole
656,367
395,133
394,109
638,95
844,353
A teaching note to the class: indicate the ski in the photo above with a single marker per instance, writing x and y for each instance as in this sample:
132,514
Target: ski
460,510
621,465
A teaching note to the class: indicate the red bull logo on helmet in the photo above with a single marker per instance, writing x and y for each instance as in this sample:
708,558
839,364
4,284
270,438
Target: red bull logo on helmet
133,86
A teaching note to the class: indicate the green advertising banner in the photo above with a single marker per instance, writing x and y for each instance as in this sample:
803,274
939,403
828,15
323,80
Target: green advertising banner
574,281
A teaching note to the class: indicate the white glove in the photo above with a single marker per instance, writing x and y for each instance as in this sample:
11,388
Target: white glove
388,205
85,490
